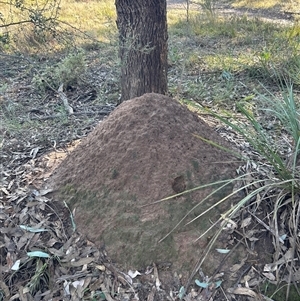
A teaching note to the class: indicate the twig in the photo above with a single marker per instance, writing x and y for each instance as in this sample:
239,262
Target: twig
64,99
266,226
74,114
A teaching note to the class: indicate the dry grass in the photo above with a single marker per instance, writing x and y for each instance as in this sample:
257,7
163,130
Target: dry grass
93,17
77,21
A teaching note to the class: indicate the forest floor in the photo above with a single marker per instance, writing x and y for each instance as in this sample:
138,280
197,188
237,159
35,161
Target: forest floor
224,56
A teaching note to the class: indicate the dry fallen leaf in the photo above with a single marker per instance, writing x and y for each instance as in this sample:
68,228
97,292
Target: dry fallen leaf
270,276
244,291
246,222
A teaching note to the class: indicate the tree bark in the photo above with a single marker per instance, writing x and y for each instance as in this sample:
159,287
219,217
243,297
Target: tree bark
143,36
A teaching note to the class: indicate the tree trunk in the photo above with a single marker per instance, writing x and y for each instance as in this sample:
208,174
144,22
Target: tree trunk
143,36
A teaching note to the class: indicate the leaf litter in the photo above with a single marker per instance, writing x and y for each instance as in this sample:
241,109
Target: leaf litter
37,231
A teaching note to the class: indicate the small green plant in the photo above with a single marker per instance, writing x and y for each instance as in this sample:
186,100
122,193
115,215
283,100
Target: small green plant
291,68
40,280
67,72
286,110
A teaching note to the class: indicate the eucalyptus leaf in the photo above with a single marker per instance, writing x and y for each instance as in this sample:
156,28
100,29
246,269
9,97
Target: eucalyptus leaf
32,229
223,251
201,284
38,254
181,292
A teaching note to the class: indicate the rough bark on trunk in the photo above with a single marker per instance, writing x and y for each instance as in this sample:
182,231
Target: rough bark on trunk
142,26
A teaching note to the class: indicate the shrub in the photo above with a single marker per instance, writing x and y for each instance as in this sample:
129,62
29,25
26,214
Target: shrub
67,72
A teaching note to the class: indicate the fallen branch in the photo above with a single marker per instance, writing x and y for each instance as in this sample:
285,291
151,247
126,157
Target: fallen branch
64,99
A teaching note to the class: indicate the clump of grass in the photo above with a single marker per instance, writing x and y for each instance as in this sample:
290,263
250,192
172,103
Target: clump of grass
272,176
277,169
41,278
278,59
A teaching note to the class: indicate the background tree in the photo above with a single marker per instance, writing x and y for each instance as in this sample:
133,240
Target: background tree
143,36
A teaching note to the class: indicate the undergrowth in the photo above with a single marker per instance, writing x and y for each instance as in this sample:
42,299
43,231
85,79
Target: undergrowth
221,59
66,72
